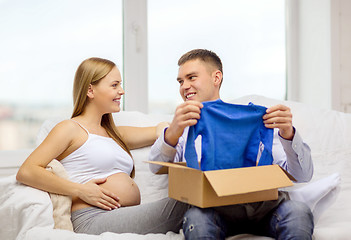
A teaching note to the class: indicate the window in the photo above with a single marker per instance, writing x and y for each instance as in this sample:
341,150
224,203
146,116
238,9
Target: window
249,37
42,44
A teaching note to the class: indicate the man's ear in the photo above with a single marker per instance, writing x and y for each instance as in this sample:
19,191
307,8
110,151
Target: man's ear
217,77
90,92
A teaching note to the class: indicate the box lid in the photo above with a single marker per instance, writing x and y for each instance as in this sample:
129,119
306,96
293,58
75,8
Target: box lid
166,165
228,182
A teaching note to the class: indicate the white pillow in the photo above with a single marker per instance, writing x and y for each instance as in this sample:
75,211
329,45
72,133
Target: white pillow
22,208
61,203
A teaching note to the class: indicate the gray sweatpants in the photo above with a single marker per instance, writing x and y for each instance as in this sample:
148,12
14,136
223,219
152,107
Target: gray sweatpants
155,217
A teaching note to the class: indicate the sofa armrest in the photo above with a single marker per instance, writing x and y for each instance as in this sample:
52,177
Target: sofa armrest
11,160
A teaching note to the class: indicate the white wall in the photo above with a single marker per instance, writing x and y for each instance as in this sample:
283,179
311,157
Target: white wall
341,54
314,52
135,55
319,59
309,52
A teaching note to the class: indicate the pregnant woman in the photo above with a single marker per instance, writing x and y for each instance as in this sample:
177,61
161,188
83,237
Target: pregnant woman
96,155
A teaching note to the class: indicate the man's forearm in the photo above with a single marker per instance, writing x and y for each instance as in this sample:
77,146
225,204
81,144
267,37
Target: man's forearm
299,162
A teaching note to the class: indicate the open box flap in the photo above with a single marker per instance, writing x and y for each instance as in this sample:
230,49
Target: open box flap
169,164
288,174
245,180
166,165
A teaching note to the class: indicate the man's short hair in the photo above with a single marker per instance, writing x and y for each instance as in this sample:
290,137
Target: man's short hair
206,56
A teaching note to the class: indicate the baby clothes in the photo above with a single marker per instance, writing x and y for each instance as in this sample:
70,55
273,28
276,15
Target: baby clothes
232,136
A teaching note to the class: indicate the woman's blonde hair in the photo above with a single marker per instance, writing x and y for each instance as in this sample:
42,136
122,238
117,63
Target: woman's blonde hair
91,71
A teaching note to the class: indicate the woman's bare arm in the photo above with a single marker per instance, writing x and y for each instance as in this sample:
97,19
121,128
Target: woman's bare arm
137,137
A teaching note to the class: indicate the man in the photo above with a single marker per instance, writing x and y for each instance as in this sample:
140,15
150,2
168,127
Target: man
200,76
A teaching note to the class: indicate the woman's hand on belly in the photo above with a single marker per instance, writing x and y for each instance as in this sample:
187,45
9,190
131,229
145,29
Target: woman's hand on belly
122,185
95,194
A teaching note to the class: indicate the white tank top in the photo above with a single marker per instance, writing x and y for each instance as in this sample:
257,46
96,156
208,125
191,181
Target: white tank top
98,157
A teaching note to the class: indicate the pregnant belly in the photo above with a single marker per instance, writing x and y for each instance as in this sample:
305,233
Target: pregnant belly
122,185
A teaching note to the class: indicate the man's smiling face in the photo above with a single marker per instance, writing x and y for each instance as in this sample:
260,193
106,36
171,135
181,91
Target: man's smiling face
198,81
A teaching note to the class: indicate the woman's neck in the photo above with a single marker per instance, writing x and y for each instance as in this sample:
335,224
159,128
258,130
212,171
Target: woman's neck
90,120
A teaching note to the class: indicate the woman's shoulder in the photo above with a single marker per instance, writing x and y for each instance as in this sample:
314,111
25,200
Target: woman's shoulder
67,124
66,127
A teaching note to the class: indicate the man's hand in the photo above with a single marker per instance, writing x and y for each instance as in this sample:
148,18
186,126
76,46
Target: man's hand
280,116
185,115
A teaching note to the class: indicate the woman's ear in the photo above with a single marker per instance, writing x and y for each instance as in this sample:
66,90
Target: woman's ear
90,92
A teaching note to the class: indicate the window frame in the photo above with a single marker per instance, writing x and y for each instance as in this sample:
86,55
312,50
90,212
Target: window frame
135,53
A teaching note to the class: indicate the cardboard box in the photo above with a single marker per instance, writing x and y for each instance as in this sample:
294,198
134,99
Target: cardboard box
224,187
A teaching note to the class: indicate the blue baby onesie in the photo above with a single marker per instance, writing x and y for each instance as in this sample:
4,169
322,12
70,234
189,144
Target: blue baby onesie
231,137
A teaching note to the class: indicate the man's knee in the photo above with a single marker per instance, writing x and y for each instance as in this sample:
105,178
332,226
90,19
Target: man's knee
295,219
198,217
295,209
203,223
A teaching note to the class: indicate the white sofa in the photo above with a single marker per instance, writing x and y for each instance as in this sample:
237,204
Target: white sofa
26,213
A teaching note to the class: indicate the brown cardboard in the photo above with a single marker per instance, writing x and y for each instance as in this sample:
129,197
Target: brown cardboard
224,187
